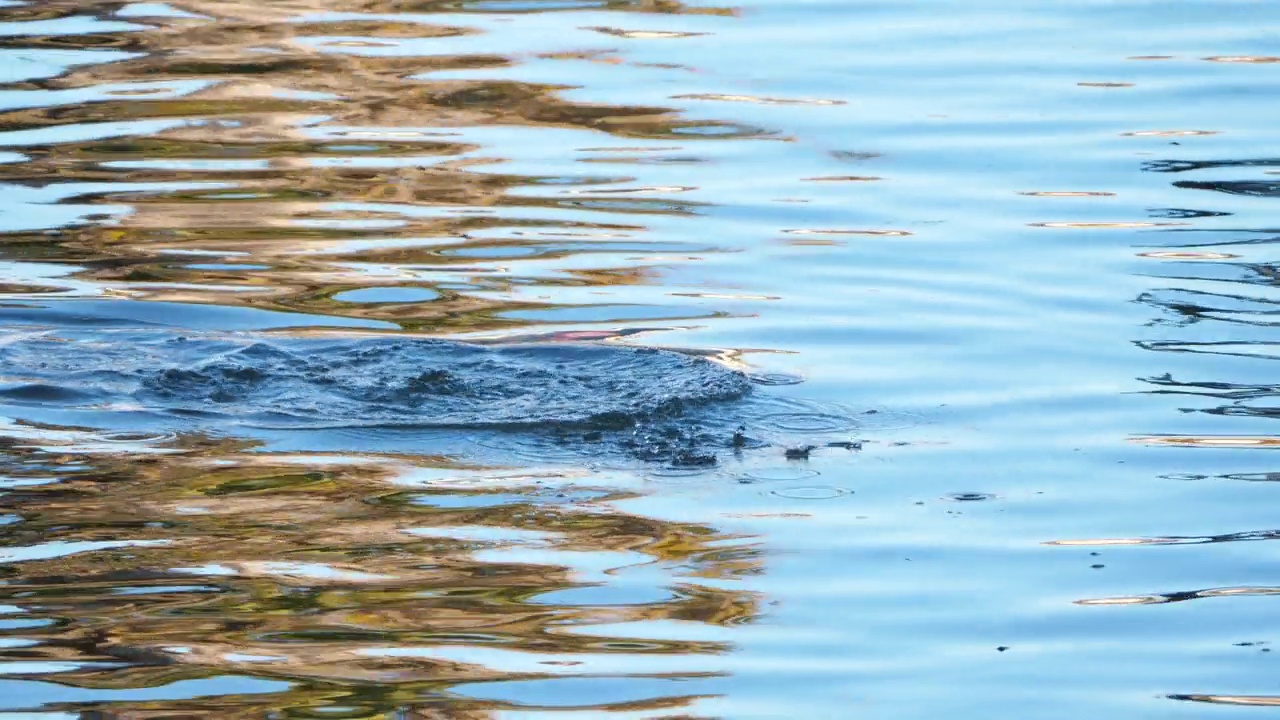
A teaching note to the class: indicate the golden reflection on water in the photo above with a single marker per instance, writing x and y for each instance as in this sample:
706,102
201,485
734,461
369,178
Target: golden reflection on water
273,132
1218,441
1260,59
334,573
1186,255
312,156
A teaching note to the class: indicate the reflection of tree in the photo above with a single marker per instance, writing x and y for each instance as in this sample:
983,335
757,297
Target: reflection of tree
245,176
1253,188
1177,166
1225,390
307,570
1194,306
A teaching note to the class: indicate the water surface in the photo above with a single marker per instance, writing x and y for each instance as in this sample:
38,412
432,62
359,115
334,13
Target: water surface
1017,253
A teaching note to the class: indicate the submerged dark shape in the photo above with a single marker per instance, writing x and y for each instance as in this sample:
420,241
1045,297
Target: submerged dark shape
800,452
371,381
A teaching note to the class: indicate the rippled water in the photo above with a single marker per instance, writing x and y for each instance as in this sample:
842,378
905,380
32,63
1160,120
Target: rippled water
1017,253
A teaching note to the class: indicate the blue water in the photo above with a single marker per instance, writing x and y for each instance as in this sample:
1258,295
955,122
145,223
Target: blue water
1033,237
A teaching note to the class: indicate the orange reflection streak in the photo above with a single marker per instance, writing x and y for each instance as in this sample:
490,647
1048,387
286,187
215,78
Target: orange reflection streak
1186,255
1222,441
328,567
1259,59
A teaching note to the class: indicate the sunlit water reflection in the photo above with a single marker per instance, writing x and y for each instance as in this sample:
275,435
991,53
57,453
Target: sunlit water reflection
999,276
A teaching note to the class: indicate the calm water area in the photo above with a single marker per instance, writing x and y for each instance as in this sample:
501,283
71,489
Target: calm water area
1008,266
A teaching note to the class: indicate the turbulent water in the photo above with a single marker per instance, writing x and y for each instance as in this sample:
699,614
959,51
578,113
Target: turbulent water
338,382
644,401
638,359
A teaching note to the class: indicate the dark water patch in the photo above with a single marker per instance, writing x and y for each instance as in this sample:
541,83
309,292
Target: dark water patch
42,393
969,497
1184,213
376,381
1248,536
1184,596
1253,188
107,314
1185,307
1225,699
1251,477
539,401
1176,166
